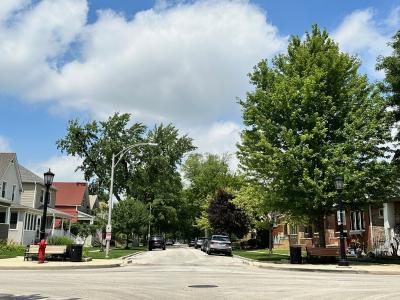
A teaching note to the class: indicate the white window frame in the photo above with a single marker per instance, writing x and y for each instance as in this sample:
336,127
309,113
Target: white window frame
380,213
16,223
3,189
14,188
343,217
357,220
42,195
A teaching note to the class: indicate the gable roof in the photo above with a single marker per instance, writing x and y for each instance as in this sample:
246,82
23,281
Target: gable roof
5,159
29,176
70,193
92,201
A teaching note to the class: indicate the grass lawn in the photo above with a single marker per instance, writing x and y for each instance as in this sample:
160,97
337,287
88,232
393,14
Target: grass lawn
263,254
114,252
11,254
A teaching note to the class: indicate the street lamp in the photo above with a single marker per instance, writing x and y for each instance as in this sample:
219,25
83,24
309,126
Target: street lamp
339,183
119,156
48,181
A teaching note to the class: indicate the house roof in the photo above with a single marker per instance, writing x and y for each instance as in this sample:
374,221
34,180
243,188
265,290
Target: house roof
70,193
29,176
5,159
92,200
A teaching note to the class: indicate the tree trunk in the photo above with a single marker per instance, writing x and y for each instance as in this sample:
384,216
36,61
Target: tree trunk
127,242
320,224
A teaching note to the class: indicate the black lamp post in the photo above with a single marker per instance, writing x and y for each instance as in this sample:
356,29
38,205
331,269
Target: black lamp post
48,181
339,183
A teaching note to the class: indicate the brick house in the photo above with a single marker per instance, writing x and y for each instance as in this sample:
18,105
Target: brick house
73,198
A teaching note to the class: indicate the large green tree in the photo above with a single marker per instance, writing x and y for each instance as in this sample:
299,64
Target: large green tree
312,116
147,173
130,217
391,86
205,174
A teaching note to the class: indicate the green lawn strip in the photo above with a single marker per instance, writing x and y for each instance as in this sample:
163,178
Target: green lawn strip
11,254
114,252
376,260
263,255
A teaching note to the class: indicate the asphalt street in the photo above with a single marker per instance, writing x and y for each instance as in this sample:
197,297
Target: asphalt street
186,273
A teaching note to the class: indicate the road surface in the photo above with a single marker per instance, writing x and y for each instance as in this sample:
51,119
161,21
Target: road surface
186,273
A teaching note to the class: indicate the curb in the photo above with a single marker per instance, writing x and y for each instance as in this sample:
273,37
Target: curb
258,264
129,258
33,267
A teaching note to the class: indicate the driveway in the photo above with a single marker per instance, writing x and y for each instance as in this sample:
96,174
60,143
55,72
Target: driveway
186,273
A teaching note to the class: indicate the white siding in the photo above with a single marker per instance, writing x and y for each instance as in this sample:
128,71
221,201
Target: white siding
28,194
11,177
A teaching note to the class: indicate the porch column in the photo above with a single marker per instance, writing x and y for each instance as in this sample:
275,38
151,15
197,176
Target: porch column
8,215
62,224
54,224
69,228
388,221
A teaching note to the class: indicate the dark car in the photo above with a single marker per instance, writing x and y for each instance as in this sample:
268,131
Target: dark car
191,243
204,245
199,242
156,241
219,244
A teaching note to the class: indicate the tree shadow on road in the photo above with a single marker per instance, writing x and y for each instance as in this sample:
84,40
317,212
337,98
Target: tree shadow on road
28,297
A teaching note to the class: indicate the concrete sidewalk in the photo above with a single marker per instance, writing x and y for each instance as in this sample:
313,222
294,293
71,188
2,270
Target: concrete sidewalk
382,269
18,263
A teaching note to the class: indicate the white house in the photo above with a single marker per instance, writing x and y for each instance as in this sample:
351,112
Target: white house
21,204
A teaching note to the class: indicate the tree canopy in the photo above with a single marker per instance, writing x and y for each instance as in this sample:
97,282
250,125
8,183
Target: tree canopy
312,116
225,218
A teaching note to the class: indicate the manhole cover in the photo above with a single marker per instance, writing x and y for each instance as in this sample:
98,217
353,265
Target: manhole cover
203,286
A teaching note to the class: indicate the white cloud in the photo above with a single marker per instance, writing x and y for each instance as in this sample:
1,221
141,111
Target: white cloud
219,137
4,144
62,166
361,34
181,63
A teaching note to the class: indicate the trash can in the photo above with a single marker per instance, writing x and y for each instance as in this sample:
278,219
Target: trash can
295,254
76,252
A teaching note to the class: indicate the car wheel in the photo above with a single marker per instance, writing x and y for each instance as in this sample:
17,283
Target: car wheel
163,248
229,254
150,249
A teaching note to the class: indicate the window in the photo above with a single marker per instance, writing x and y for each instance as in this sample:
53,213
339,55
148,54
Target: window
380,213
25,221
41,196
357,220
31,224
3,189
293,229
13,192
13,220
2,217
343,215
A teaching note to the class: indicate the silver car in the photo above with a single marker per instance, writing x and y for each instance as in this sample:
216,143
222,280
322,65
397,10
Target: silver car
219,244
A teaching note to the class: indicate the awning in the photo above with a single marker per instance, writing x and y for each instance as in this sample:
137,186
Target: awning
84,216
5,202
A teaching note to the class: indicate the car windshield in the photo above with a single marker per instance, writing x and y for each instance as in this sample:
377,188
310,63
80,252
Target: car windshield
220,238
156,238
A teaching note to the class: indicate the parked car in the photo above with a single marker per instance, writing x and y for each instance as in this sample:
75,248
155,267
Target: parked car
199,242
191,243
169,242
204,245
156,241
219,244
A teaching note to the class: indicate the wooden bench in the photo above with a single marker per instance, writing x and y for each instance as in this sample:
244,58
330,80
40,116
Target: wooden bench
331,252
50,250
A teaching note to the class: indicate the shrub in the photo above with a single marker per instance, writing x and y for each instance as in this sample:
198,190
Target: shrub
11,248
60,240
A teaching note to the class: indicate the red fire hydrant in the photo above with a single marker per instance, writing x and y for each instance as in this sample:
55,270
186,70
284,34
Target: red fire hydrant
42,251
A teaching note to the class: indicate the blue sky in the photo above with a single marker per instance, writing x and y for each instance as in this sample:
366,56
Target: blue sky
163,61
